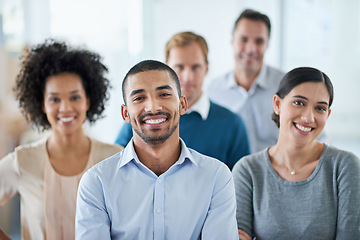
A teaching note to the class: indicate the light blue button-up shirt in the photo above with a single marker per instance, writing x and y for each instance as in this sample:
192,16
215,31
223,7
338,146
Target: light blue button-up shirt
120,198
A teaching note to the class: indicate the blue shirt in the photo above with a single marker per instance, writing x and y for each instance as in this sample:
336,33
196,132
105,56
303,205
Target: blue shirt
254,106
120,198
209,129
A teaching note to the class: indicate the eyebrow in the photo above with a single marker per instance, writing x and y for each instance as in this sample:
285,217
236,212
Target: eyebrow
299,96
137,91
54,93
167,87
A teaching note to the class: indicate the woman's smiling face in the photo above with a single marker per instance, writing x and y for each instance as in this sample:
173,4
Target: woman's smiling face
65,103
303,111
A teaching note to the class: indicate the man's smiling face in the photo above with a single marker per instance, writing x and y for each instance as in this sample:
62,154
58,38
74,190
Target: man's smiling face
153,106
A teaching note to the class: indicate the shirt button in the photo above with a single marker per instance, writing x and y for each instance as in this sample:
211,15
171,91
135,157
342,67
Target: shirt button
160,181
158,210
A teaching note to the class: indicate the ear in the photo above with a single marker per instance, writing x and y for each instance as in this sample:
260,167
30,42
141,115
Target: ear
329,111
276,104
183,105
207,67
125,113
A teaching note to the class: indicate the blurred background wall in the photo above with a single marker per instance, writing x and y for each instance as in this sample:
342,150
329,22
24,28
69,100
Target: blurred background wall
319,33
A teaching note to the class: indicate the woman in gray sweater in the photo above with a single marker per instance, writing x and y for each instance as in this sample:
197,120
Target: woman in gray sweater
299,188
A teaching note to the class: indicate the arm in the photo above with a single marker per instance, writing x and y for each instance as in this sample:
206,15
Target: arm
244,198
3,235
240,146
220,222
9,177
348,180
125,135
92,220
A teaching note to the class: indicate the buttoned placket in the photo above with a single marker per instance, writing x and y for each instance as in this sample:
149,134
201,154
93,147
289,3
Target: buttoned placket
159,211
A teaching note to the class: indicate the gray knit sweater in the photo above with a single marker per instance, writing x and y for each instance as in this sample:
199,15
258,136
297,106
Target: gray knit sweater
324,206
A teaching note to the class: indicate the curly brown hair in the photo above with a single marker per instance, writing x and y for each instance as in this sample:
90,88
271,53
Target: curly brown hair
51,58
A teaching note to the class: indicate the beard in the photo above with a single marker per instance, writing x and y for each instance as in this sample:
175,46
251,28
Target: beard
157,139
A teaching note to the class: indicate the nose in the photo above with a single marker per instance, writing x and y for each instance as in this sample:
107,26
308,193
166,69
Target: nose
65,106
152,105
187,75
250,47
308,115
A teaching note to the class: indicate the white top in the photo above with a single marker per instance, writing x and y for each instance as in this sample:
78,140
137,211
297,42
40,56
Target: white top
48,199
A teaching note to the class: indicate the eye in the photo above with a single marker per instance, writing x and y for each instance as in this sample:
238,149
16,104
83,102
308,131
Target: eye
299,103
74,98
196,68
259,41
243,39
165,94
54,100
321,108
179,68
137,99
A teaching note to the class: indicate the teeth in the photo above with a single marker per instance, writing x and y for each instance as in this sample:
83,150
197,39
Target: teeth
155,121
302,128
68,119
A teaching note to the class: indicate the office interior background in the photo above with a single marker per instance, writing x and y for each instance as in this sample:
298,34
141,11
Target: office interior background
324,34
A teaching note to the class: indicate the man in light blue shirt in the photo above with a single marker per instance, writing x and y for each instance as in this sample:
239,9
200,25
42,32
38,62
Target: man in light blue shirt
156,188
248,89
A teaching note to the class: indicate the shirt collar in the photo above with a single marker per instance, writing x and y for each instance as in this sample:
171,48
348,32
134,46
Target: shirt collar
260,79
202,106
129,154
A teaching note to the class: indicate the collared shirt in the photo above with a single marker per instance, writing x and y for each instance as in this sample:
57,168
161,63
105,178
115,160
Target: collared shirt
202,106
254,106
121,198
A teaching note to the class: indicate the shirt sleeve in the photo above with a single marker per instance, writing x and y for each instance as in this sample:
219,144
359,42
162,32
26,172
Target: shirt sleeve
244,198
348,223
124,135
92,220
9,177
220,222
240,143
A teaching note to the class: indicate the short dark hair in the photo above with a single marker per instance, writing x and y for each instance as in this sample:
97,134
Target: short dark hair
149,65
51,58
298,76
254,16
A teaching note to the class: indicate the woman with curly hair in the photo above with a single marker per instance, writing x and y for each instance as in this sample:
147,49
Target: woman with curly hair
58,88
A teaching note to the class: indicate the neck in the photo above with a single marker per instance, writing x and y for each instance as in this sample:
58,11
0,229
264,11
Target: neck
191,102
160,157
295,157
68,144
244,78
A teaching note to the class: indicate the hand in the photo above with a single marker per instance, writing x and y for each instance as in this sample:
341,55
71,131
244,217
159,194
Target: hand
3,235
243,235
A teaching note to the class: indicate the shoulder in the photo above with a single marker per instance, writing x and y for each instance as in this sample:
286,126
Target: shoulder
106,167
225,114
102,150
33,146
103,145
274,72
31,152
255,161
341,158
209,165
274,75
217,82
